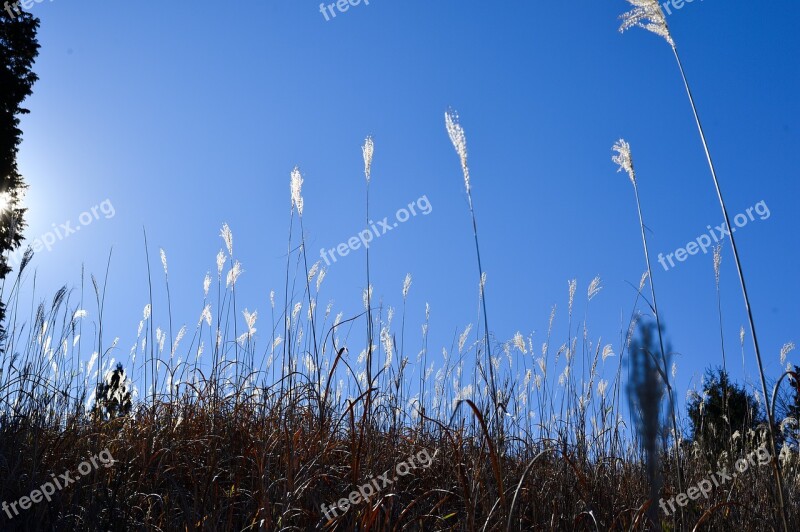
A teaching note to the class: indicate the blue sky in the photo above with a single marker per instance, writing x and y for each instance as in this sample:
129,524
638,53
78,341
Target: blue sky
186,116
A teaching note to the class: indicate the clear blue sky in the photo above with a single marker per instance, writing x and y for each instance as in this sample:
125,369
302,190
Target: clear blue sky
188,115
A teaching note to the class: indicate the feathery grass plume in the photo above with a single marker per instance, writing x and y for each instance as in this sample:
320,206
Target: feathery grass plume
296,186
164,260
463,338
648,15
573,284
406,285
233,274
608,351
594,288
205,316
624,159
313,271
368,149
366,297
321,277
602,386
227,237
645,276
785,350
519,343
717,262
459,140
388,345
250,321
221,258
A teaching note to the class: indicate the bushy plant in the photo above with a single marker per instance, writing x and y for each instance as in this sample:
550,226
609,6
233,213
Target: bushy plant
113,397
710,425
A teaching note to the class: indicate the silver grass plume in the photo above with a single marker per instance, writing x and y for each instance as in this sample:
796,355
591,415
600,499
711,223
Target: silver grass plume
227,237
164,260
406,285
368,149
459,140
717,262
623,159
297,190
646,14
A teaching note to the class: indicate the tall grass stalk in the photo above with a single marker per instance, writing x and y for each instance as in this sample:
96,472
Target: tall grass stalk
717,265
459,140
153,375
296,176
367,151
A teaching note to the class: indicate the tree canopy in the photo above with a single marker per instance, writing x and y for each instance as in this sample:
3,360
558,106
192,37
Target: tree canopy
18,50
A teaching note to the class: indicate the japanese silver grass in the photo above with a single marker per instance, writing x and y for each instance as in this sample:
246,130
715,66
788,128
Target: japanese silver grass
646,14
459,139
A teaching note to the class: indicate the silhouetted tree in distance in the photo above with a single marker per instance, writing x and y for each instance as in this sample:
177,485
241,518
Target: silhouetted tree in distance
787,405
794,409
709,427
18,50
113,397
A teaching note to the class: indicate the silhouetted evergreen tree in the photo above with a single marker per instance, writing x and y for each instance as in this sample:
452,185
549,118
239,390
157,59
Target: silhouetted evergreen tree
787,405
706,413
794,408
113,397
18,50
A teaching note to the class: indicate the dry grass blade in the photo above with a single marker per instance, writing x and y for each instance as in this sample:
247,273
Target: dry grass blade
492,452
